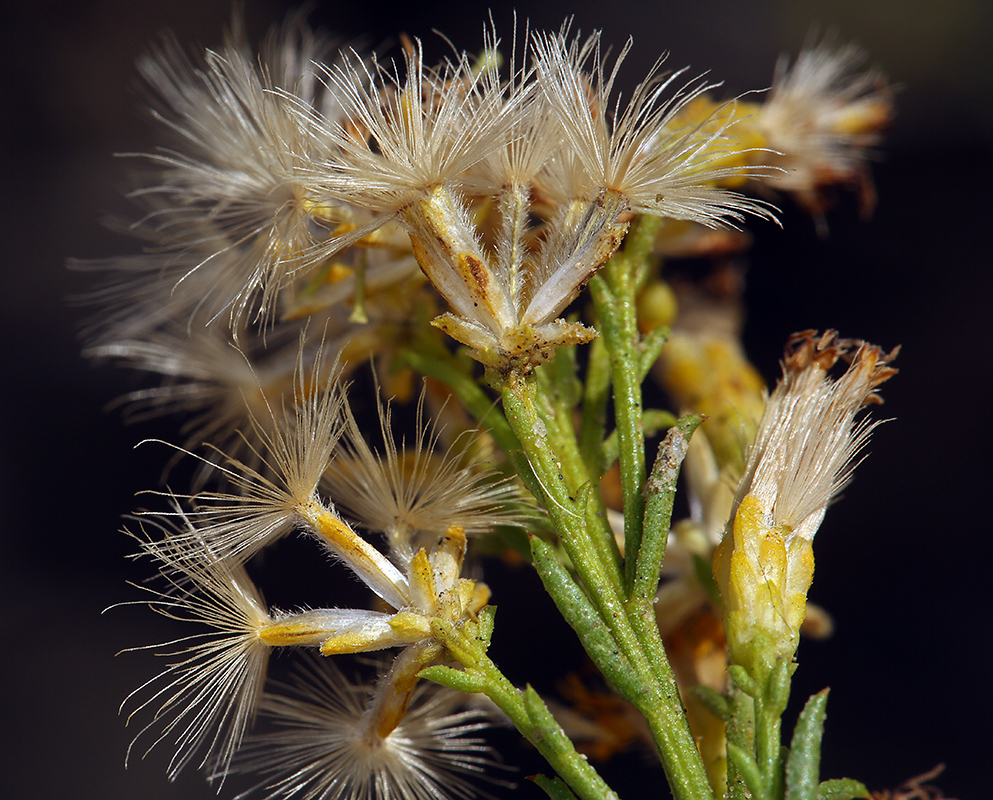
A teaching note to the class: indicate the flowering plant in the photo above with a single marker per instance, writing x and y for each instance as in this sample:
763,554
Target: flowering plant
495,225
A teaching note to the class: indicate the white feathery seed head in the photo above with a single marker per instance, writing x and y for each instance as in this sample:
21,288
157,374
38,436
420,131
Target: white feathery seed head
297,443
237,145
138,295
403,135
804,452
207,697
216,385
808,438
415,494
322,746
824,113
634,149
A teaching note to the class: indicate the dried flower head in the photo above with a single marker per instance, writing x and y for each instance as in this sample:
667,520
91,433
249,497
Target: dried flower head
322,747
823,115
298,441
226,195
209,693
414,494
803,454
399,136
636,151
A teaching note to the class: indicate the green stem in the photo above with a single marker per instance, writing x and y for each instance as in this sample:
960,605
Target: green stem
446,369
633,627
614,293
639,244
769,690
558,417
525,709
593,423
653,421
616,312
768,750
599,573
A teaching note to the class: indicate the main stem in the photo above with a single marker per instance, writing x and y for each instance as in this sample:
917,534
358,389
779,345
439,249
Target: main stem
656,696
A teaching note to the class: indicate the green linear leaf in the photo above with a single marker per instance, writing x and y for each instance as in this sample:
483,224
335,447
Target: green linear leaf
748,770
555,788
581,615
842,789
803,764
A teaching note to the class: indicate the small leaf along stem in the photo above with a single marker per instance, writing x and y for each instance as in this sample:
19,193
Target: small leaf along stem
525,709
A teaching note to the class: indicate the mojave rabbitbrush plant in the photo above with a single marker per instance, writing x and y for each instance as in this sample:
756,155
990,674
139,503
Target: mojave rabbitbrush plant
486,235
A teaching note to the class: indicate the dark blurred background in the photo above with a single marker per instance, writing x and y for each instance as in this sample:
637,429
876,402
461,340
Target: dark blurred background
903,562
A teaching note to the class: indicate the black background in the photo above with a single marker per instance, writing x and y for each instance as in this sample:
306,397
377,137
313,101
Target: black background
902,562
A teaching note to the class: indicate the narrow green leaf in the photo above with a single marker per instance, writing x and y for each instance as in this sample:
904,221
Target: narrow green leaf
716,703
548,736
558,378
778,688
740,728
742,680
748,770
546,728
651,348
468,682
580,613
484,625
656,420
842,789
704,572
593,424
803,764
660,490
554,787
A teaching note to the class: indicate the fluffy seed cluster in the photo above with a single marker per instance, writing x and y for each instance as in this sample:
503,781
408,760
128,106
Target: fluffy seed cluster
307,182
305,179
824,115
308,210
392,736
321,749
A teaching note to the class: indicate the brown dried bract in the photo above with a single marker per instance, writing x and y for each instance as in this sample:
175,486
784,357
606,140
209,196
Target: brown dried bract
868,361
915,788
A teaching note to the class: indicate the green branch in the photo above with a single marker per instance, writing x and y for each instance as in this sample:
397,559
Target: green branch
525,709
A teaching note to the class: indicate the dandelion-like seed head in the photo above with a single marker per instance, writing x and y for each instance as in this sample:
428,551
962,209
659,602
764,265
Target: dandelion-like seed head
636,150
404,134
224,391
415,494
323,747
297,441
808,438
226,196
824,115
208,695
